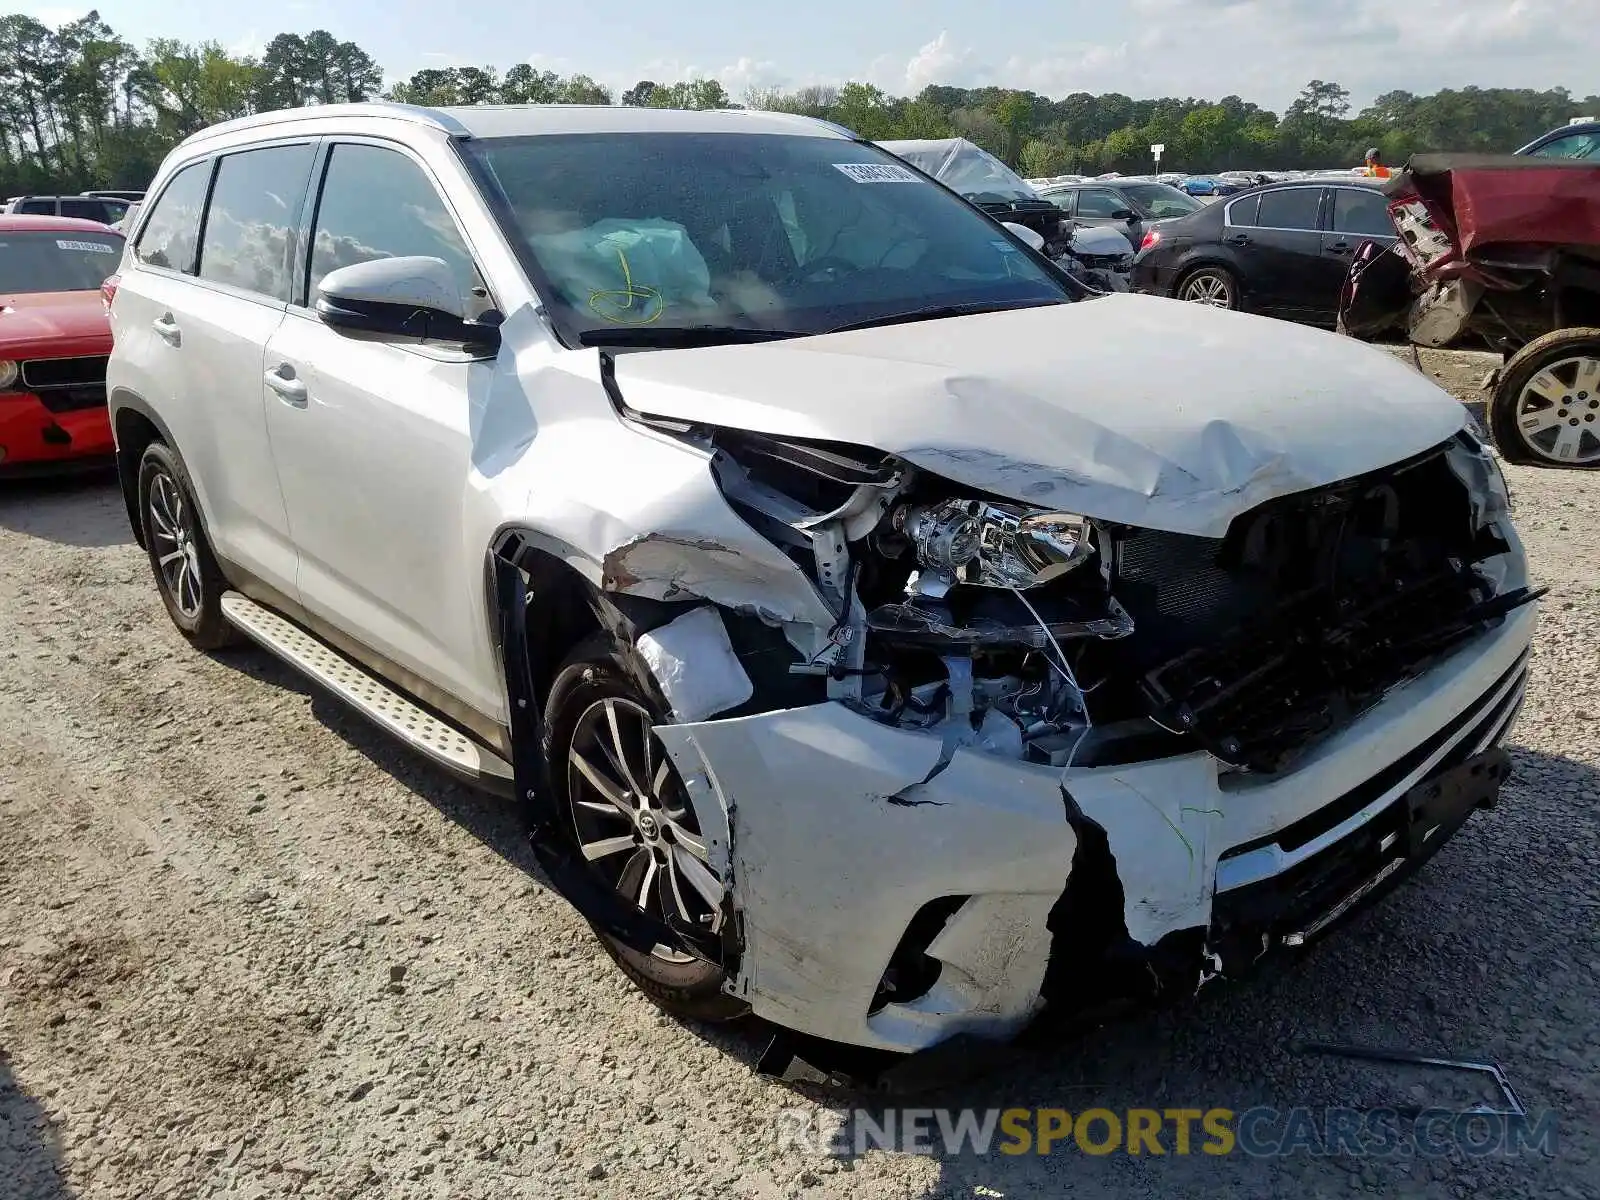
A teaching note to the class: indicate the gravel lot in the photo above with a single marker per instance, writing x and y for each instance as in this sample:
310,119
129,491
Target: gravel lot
248,947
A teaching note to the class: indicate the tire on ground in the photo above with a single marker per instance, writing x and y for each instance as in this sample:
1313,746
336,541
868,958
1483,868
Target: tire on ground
592,673
205,627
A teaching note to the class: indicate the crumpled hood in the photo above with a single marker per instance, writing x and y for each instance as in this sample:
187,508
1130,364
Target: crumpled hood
1130,409
35,322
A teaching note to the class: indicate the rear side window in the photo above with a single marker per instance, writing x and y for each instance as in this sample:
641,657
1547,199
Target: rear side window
37,207
87,210
1243,212
377,203
250,224
171,236
1357,210
1293,208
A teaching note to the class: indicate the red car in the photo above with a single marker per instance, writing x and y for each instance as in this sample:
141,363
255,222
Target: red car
54,341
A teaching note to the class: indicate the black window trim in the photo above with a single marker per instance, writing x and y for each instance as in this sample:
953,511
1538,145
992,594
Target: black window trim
1260,193
231,289
136,236
300,288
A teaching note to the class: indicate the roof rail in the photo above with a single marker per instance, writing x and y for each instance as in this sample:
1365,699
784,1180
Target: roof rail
412,113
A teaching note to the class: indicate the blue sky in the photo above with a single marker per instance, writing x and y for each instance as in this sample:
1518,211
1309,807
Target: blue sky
1263,50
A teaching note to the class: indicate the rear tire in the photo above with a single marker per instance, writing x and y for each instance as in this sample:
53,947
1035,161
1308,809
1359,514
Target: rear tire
597,714
187,576
1214,287
1546,408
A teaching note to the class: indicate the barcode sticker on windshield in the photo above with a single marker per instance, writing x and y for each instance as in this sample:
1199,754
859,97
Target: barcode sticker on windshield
92,247
877,173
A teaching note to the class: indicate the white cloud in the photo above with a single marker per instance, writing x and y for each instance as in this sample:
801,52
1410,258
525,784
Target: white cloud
939,61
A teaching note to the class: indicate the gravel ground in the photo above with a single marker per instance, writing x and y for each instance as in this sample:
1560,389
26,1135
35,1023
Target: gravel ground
247,947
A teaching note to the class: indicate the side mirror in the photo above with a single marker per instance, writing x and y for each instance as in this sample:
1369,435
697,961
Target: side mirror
1022,233
1124,214
409,299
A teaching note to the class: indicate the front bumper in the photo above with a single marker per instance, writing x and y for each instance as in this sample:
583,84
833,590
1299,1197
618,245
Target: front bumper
32,438
1173,866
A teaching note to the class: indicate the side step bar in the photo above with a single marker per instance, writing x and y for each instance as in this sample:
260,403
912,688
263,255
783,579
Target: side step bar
421,730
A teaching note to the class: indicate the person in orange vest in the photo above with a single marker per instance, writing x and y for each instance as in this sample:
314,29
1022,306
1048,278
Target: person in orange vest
1374,165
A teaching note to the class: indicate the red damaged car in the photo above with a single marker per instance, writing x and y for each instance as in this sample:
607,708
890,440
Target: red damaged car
54,342
1502,250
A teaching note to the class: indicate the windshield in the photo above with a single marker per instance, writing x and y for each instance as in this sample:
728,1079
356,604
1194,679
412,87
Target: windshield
69,260
699,231
1160,200
1574,145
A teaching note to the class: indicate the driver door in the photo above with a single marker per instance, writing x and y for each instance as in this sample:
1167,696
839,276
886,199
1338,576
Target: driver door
373,439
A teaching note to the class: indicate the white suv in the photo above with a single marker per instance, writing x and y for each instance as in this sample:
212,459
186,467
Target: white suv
884,635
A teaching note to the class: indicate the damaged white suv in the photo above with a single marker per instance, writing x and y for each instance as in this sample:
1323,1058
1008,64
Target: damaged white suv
885,636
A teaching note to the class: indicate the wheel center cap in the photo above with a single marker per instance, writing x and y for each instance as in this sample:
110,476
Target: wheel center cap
648,827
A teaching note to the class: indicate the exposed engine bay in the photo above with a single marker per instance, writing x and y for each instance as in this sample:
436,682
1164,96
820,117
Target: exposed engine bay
1051,638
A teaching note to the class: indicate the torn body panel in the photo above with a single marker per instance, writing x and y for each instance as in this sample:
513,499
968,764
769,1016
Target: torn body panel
827,873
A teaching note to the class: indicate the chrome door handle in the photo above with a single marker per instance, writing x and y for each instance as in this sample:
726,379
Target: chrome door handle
290,390
168,329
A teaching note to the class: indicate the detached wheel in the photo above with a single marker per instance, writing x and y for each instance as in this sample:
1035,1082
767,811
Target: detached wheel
1546,407
1215,287
187,576
631,817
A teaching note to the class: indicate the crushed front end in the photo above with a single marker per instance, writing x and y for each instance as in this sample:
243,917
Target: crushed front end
1050,763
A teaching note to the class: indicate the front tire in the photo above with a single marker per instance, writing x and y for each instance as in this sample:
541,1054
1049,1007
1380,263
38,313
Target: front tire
630,816
1214,287
1546,407
187,576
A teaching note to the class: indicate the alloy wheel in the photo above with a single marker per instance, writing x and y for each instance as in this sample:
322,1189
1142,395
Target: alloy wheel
1558,412
1208,288
634,822
176,551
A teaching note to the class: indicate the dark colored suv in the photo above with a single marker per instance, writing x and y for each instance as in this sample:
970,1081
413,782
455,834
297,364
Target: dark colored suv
106,210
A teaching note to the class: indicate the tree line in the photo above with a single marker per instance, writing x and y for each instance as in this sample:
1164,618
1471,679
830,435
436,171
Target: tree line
82,107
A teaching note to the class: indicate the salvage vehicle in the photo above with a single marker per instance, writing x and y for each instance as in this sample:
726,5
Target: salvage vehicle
753,508
1130,208
1504,250
1281,249
1089,252
54,340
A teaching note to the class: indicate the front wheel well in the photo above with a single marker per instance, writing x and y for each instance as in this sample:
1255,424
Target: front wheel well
135,433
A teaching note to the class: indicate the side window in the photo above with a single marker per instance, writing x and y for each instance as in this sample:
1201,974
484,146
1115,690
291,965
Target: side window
1361,211
377,203
172,234
251,221
1243,212
1098,202
88,210
1292,208
38,207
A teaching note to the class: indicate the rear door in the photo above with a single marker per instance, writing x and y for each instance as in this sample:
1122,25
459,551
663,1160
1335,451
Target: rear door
200,308
1352,216
1276,239
373,440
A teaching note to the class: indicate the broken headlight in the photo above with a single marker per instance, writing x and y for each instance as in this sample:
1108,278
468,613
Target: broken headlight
992,545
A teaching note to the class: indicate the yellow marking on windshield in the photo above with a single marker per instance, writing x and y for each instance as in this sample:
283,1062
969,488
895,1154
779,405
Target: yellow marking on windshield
617,305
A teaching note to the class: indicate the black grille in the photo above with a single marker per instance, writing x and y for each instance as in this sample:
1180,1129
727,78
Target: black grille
1261,643
40,373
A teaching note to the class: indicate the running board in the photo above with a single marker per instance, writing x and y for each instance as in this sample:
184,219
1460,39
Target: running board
363,691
